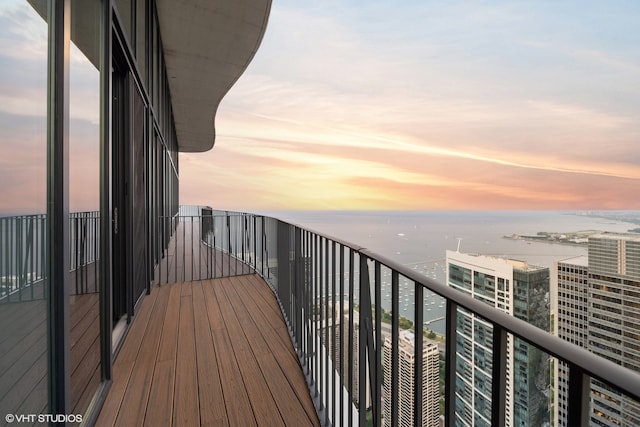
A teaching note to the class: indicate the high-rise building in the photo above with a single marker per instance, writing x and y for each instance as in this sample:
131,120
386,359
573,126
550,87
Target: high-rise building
406,391
599,309
521,290
341,331
571,288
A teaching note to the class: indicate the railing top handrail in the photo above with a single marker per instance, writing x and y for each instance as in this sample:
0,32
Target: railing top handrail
622,378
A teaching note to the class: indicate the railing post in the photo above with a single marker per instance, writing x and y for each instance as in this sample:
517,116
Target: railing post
284,283
377,409
450,364
578,399
418,348
499,377
395,324
316,313
326,328
255,243
350,336
341,350
297,284
366,347
333,332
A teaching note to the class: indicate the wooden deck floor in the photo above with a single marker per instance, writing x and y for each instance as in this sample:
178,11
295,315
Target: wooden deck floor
212,352
187,258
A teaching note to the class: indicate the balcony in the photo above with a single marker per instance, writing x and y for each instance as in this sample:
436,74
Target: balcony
251,318
210,352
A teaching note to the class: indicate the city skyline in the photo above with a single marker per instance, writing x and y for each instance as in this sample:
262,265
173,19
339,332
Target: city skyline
430,106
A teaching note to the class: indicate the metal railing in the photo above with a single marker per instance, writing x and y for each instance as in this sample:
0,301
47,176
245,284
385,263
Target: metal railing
23,255
330,293
206,245
84,251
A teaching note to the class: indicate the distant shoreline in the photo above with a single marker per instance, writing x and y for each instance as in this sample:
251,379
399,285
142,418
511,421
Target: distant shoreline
576,238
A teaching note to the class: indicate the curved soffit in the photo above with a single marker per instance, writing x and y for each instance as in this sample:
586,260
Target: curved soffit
207,46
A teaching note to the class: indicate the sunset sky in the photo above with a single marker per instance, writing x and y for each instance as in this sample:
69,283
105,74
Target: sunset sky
431,105
371,105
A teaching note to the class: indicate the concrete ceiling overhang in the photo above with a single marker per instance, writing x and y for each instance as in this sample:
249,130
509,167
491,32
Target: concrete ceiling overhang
207,46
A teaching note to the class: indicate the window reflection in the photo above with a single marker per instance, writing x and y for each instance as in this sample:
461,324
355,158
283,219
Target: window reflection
84,202
23,150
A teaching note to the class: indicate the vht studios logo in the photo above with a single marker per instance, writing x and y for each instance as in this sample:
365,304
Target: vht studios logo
43,418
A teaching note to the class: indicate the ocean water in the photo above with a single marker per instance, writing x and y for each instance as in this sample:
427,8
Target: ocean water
419,240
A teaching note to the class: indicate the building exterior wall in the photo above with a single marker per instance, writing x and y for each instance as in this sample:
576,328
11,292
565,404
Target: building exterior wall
59,356
517,289
406,381
571,322
614,320
598,309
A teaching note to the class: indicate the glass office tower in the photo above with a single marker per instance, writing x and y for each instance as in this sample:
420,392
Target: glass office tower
521,290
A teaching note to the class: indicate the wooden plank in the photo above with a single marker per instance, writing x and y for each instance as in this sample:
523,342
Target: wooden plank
80,305
277,339
205,333
24,340
37,402
290,404
186,289
31,372
124,364
17,377
160,407
216,321
212,409
92,386
186,410
83,313
31,315
238,408
237,404
85,359
269,309
260,397
135,398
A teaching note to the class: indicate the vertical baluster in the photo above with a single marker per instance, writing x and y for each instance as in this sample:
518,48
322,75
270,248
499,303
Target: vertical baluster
350,335
341,349
316,315
395,321
578,399
450,364
418,347
325,299
333,332
377,401
498,377
363,334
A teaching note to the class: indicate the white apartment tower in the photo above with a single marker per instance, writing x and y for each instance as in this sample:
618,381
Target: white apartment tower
406,381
